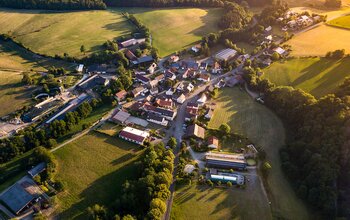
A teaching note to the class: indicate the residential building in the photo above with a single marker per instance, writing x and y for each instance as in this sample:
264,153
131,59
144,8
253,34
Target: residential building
143,60
213,142
130,55
154,91
191,113
174,59
134,135
190,87
196,48
181,99
157,119
165,103
203,99
280,51
195,131
120,117
80,68
209,114
153,83
121,95
204,77
170,75
142,79
160,77
226,54
216,68
138,90
152,68
167,113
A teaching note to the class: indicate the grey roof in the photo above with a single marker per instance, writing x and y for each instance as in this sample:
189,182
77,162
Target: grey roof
37,169
144,59
16,197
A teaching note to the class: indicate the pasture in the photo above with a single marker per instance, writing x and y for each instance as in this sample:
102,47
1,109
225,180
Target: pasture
51,33
175,29
13,94
203,202
93,167
265,129
318,76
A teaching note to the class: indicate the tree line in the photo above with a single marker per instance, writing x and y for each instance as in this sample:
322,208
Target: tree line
54,4
316,155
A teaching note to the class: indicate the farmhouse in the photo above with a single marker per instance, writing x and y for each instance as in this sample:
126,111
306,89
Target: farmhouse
130,55
132,42
226,54
134,135
143,60
157,119
225,161
280,51
195,131
213,142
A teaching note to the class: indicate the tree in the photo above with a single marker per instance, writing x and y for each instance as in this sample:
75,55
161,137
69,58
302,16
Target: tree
225,128
97,212
82,49
229,184
27,79
275,56
172,142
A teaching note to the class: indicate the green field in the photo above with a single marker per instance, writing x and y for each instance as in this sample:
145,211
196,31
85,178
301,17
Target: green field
94,167
63,32
14,57
342,22
263,127
319,76
203,202
13,95
174,29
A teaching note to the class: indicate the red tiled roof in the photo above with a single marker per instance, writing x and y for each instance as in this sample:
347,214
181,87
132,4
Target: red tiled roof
121,94
131,136
213,140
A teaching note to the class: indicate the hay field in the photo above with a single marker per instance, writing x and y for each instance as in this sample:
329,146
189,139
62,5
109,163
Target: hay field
51,33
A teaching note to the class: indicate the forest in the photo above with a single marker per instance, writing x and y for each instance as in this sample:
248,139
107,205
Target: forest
54,4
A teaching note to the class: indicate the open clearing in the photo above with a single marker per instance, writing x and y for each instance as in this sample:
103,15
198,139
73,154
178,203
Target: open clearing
94,167
13,95
57,33
175,29
318,76
264,128
203,202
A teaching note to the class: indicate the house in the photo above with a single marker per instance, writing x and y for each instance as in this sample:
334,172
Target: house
153,83
189,168
160,78
152,68
134,135
292,23
174,59
226,54
170,92
139,72
120,117
180,87
216,68
132,42
220,84
196,48
142,79
268,29
130,55
190,87
189,73
121,95
80,68
97,69
157,119
193,105
167,113
213,142
202,100
170,75
181,99
269,38
203,66
138,90
165,103
204,77
225,161
191,113
209,114
189,64
195,131
154,91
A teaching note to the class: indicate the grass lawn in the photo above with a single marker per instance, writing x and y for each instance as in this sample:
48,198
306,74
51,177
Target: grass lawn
174,29
94,167
264,128
13,95
203,202
342,22
319,41
319,76
53,33
14,57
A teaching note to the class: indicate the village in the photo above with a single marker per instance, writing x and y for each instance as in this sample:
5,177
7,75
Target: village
173,97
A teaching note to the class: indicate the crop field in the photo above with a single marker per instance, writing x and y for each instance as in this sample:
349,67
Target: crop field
94,167
174,29
342,22
13,95
318,76
57,33
264,128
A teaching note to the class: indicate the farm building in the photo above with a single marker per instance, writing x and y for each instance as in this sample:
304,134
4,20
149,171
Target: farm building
80,68
226,54
134,135
213,142
142,60
226,161
195,131
132,42
37,169
235,179
120,117
157,119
